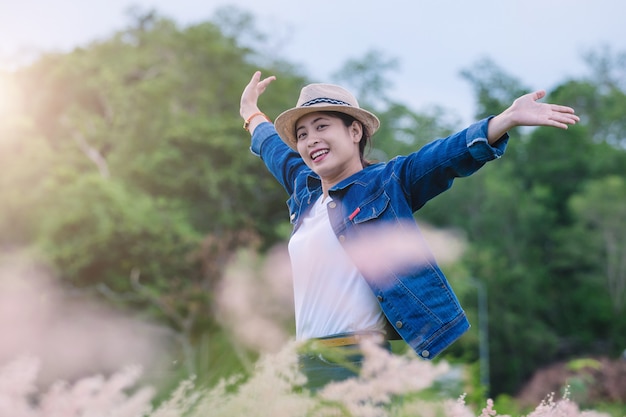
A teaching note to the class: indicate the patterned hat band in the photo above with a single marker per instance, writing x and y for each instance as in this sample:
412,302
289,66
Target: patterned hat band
325,100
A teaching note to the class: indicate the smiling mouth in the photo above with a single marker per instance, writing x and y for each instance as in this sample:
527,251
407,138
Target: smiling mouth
319,153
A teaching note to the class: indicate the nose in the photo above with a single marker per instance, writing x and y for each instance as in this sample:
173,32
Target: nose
311,141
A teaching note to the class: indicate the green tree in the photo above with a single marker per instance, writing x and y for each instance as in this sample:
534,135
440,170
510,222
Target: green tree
601,209
128,167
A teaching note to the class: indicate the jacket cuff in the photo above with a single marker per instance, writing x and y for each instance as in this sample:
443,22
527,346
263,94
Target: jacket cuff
479,146
261,133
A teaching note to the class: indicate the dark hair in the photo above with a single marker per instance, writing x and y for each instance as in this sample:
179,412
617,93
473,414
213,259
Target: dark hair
365,137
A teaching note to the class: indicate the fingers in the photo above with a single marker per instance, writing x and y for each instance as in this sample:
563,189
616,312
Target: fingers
560,125
262,85
555,115
251,93
562,109
557,108
256,80
256,87
538,95
563,116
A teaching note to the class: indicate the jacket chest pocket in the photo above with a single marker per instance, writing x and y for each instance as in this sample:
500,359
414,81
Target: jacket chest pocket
377,208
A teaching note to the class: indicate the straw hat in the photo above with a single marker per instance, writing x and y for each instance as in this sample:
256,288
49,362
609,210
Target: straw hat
322,97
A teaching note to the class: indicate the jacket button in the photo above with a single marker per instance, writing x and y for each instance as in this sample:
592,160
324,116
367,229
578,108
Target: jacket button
380,298
399,324
342,238
332,204
425,353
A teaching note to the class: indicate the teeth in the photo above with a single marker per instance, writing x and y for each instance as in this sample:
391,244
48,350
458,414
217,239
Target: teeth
319,153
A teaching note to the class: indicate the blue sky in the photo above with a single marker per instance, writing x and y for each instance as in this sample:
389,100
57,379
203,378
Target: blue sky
540,42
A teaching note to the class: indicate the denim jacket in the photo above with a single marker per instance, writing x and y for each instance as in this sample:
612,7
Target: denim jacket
417,301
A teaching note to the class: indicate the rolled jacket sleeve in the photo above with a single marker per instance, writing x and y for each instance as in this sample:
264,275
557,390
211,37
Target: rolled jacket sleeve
262,132
283,162
479,146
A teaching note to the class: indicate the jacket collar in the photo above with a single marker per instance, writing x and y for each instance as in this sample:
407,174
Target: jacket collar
313,181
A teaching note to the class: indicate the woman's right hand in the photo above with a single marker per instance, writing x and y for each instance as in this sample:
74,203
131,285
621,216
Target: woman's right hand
250,97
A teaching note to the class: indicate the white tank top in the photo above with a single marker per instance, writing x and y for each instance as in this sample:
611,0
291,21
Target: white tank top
330,294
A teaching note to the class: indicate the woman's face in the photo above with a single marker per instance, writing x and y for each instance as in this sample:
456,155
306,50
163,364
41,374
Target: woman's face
328,146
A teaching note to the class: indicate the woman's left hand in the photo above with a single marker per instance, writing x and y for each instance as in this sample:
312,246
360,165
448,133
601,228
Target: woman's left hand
527,111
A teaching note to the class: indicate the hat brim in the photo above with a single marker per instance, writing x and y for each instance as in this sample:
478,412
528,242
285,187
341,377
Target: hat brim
285,123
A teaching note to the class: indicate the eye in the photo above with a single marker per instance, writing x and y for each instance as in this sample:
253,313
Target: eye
300,136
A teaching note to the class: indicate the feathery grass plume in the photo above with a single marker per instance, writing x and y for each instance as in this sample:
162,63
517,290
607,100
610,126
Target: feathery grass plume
94,396
563,407
433,408
269,391
398,247
70,333
488,411
383,378
447,245
456,408
183,400
17,386
98,396
386,387
255,300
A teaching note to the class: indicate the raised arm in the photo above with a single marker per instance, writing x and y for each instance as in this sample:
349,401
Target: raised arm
527,111
282,162
249,108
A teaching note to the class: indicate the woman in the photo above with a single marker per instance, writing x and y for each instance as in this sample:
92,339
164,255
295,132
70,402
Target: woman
337,199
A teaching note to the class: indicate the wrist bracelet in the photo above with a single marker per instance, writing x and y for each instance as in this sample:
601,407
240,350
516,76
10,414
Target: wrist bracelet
246,124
